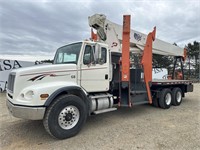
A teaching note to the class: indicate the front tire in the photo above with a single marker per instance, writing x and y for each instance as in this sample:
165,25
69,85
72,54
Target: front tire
165,99
65,117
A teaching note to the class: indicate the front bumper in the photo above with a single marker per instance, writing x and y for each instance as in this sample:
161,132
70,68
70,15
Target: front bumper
31,113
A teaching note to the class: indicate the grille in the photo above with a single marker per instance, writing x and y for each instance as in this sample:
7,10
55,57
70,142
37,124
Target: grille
11,81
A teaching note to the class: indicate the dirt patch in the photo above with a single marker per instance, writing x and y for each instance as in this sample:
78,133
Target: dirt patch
142,127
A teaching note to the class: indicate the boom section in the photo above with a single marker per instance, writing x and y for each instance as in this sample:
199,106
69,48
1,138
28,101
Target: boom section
111,34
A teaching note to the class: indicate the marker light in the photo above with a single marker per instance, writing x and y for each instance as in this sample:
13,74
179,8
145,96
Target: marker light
44,96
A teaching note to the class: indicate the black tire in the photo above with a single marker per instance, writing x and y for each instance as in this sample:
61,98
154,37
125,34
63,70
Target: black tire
60,115
165,98
155,102
176,96
154,99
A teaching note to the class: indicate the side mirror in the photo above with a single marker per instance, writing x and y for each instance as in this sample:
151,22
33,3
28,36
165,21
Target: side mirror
86,61
101,61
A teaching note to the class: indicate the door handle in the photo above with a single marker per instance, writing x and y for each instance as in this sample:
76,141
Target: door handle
106,76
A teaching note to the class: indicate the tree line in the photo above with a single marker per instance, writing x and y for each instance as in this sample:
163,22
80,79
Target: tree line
191,64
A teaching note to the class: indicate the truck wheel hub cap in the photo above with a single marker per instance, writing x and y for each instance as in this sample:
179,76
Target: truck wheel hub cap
179,97
68,117
168,99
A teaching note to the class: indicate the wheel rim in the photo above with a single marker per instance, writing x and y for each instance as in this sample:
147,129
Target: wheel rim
178,96
168,99
68,117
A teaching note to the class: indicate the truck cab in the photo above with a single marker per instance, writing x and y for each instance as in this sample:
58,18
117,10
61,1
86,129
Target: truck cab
83,64
79,69
92,61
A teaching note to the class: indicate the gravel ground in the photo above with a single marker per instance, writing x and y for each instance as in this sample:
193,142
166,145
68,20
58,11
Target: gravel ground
142,127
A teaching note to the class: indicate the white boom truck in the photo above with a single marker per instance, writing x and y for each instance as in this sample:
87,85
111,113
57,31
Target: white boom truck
93,77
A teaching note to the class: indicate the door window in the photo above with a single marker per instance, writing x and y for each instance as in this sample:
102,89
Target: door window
103,55
95,55
88,57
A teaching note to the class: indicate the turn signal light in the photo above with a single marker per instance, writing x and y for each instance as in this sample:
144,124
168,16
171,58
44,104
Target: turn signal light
44,96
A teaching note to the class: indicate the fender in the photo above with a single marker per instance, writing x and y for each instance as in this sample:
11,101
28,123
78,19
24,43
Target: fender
69,89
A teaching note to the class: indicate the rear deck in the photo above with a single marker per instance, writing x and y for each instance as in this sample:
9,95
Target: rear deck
169,82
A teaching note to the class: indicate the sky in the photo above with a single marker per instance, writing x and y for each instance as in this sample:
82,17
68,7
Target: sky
34,29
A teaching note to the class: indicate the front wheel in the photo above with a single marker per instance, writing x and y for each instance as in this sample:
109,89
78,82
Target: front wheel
65,116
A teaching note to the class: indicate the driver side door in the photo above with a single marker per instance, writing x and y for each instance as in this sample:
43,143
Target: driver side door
95,68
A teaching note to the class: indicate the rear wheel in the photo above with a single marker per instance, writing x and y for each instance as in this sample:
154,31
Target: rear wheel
154,99
165,99
155,102
65,116
176,96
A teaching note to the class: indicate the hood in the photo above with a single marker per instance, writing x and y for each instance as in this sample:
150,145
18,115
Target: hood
44,69
41,75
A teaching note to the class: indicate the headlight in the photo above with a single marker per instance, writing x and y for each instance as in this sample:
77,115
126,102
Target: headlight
22,95
29,94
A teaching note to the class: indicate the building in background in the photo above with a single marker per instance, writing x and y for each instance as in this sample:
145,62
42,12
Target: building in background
6,66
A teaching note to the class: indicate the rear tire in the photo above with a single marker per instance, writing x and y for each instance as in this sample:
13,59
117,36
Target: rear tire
176,96
65,117
165,99
155,102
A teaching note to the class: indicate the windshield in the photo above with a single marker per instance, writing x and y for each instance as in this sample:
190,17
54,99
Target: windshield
68,54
